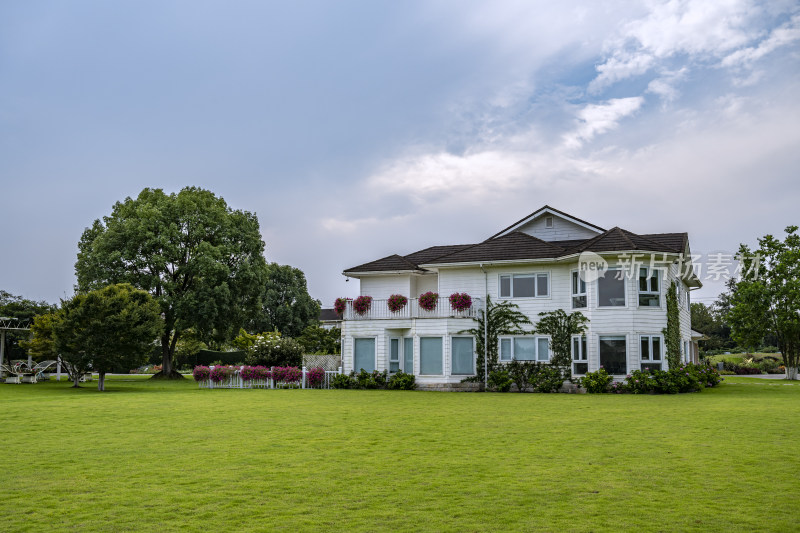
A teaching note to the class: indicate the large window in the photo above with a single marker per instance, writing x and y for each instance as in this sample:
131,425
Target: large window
611,288
649,291
463,356
364,354
651,351
613,355
525,285
580,363
430,356
401,355
525,349
578,290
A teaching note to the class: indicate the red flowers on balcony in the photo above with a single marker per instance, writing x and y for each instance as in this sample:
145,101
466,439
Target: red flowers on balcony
396,302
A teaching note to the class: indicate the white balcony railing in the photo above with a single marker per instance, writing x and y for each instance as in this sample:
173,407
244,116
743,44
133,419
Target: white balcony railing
379,310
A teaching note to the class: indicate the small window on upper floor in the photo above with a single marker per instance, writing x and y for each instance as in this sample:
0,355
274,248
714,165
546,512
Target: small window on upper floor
548,222
525,286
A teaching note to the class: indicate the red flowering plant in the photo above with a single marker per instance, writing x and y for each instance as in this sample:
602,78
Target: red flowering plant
220,373
286,374
428,300
396,302
340,305
362,304
201,373
315,376
255,373
460,301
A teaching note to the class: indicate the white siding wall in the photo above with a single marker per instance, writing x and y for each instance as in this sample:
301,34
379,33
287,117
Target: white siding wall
428,282
562,230
381,287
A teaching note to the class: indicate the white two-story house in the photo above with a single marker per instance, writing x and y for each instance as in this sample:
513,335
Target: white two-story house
541,263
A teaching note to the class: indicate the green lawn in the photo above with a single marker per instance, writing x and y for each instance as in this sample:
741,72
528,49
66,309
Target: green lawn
151,456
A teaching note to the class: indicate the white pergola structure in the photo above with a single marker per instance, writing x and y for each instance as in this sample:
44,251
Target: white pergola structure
11,324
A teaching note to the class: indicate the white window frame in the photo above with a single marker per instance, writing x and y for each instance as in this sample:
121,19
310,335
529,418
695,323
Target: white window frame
536,339
548,222
614,269
652,357
658,273
401,354
534,275
374,355
580,282
579,347
616,336
451,354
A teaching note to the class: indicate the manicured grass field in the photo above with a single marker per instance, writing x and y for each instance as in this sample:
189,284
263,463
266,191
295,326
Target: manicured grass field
151,456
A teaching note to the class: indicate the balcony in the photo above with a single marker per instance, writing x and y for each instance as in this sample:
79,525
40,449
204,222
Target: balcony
379,310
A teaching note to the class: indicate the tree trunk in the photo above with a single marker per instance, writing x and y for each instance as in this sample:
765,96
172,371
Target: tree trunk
791,372
101,381
76,378
167,349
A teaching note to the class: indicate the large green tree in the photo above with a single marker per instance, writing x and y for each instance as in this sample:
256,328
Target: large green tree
107,328
286,305
766,298
201,260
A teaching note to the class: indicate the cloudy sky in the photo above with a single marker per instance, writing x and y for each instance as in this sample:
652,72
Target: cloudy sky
360,129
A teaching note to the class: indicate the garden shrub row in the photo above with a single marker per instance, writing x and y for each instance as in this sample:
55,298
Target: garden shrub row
374,380
686,378
526,375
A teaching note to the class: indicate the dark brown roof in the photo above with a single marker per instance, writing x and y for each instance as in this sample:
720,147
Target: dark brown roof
554,210
515,245
520,246
389,263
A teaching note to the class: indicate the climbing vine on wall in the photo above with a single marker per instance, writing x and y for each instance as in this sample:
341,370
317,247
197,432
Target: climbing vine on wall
672,333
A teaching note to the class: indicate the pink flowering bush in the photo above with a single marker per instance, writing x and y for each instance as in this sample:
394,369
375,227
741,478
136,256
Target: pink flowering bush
255,373
315,376
362,304
460,301
340,305
397,302
201,373
286,374
428,300
221,373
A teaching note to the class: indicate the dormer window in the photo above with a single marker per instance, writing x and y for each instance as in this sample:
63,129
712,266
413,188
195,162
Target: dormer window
548,222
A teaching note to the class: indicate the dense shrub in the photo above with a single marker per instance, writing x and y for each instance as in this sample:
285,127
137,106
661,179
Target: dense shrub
747,370
269,349
500,381
596,382
343,381
640,382
686,378
401,381
546,378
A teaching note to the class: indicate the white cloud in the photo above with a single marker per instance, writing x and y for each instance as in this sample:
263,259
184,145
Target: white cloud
596,119
779,37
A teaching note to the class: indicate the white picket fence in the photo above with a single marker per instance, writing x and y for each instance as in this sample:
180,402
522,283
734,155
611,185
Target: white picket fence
235,381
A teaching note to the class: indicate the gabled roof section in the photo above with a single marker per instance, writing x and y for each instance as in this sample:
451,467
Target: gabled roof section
391,263
513,246
552,211
617,240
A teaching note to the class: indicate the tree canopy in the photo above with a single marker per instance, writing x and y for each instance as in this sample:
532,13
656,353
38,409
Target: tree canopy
766,298
24,310
107,328
201,260
286,305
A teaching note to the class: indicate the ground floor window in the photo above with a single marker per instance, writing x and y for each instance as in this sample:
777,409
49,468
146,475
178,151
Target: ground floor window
580,364
430,356
401,355
613,355
463,356
527,348
651,351
364,354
